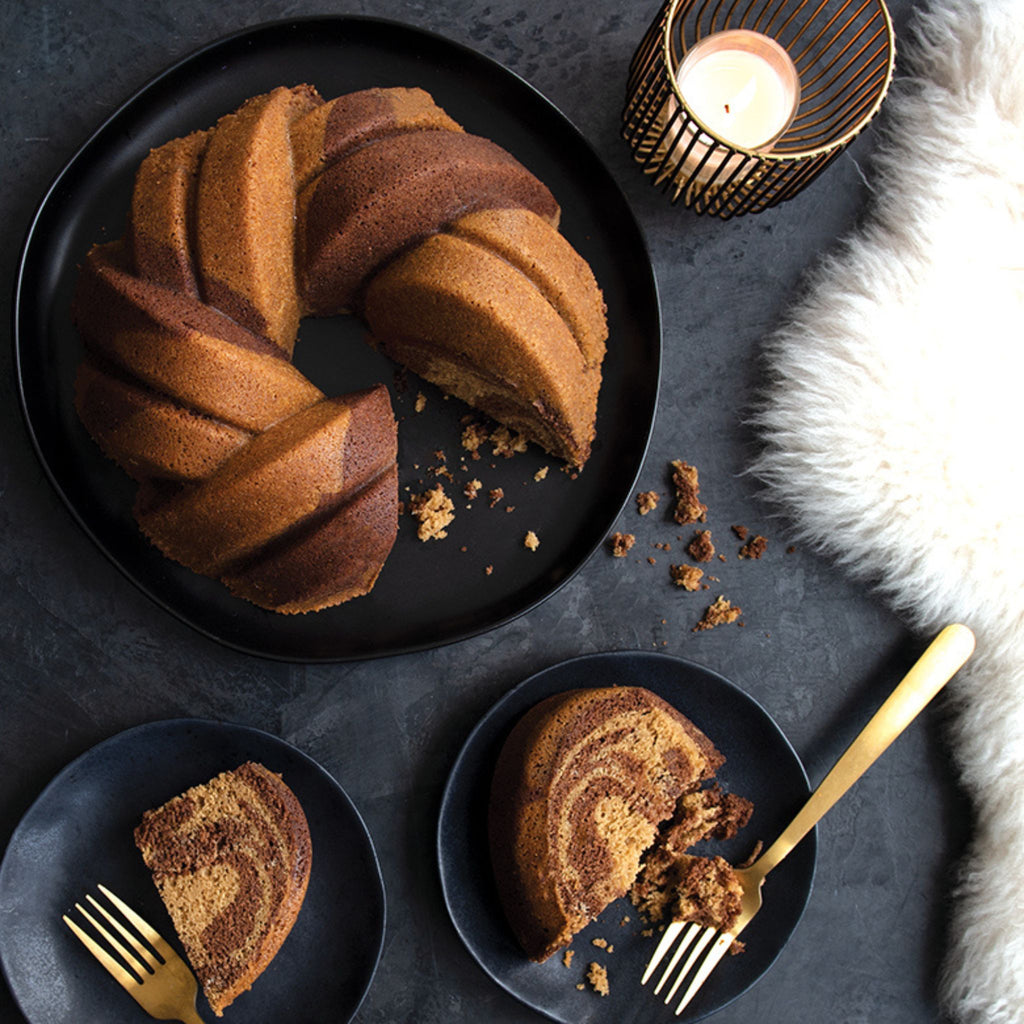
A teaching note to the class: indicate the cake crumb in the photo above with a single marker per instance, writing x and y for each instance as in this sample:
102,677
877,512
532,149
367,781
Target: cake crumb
719,613
741,532
603,944
567,957
541,474
435,511
531,540
507,444
624,921
646,501
472,489
580,987
473,436
488,569
495,496
421,401
686,576
651,560
598,978
790,549
689,508
621,543
701,547
754,548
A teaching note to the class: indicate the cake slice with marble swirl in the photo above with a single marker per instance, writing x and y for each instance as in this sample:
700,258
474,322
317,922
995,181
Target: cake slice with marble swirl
580,786
499,310
231,860
245,214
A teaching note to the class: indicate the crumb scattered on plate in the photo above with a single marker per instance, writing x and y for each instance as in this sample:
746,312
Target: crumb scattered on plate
435,511
598,978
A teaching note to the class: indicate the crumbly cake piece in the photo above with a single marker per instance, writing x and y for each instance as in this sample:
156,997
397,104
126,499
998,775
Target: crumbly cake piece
646,501
686,576
719,613
689,508
707,893
580,786
435,511
231,860
621,543
597,975
755,547
703,814
701,548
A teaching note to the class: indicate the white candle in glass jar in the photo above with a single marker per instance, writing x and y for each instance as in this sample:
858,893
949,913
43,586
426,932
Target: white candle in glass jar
742,86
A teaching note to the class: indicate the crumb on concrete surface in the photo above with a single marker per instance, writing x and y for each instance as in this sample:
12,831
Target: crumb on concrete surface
719,613
689,508
755,547
686,576
621,543
701,547
646,501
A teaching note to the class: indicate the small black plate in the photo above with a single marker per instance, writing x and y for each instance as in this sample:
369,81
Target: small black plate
760,765
428,593
79,833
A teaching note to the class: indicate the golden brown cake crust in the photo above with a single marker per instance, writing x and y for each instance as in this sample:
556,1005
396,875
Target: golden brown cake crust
290,205
231,859
579,788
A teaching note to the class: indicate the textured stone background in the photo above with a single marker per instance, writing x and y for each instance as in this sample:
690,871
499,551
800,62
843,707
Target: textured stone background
83,655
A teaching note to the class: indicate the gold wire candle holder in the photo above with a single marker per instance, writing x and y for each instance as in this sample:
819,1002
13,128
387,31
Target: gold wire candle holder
842,54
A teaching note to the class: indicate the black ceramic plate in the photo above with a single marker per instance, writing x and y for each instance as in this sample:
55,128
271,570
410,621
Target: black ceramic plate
760,765
429,593
79,833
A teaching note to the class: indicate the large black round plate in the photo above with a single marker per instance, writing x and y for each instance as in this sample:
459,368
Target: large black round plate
760,765
79,833
429,593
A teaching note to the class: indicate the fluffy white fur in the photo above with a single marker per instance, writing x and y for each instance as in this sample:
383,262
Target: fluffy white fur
892,430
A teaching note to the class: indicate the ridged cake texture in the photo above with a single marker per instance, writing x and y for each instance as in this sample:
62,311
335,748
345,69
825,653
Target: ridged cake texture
377,203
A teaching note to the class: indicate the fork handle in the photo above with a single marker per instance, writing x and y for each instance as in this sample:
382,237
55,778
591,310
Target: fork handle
939,663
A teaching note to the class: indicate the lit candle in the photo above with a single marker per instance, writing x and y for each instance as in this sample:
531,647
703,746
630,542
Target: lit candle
742,86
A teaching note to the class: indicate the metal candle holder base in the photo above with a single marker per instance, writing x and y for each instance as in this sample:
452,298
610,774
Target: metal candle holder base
843,51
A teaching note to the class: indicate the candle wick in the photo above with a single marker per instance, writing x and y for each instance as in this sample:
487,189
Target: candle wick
727,108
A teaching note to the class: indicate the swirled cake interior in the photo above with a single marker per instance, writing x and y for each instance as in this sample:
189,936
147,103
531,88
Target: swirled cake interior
581,786
231,861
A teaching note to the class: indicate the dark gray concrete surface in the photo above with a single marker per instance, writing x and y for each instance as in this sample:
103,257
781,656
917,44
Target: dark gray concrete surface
83,655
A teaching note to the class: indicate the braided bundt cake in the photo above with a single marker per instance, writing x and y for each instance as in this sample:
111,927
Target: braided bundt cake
580,787
375,203
231,861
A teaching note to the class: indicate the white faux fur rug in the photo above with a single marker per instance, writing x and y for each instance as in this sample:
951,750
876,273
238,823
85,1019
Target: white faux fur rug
893,430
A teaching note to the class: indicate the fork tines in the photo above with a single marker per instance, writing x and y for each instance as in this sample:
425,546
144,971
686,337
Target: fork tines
696,940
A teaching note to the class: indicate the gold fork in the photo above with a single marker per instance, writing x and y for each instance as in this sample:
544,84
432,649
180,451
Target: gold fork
162,984
939,663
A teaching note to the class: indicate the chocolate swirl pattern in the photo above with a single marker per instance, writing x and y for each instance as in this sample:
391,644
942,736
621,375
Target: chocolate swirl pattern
580,787
231,861
375,203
